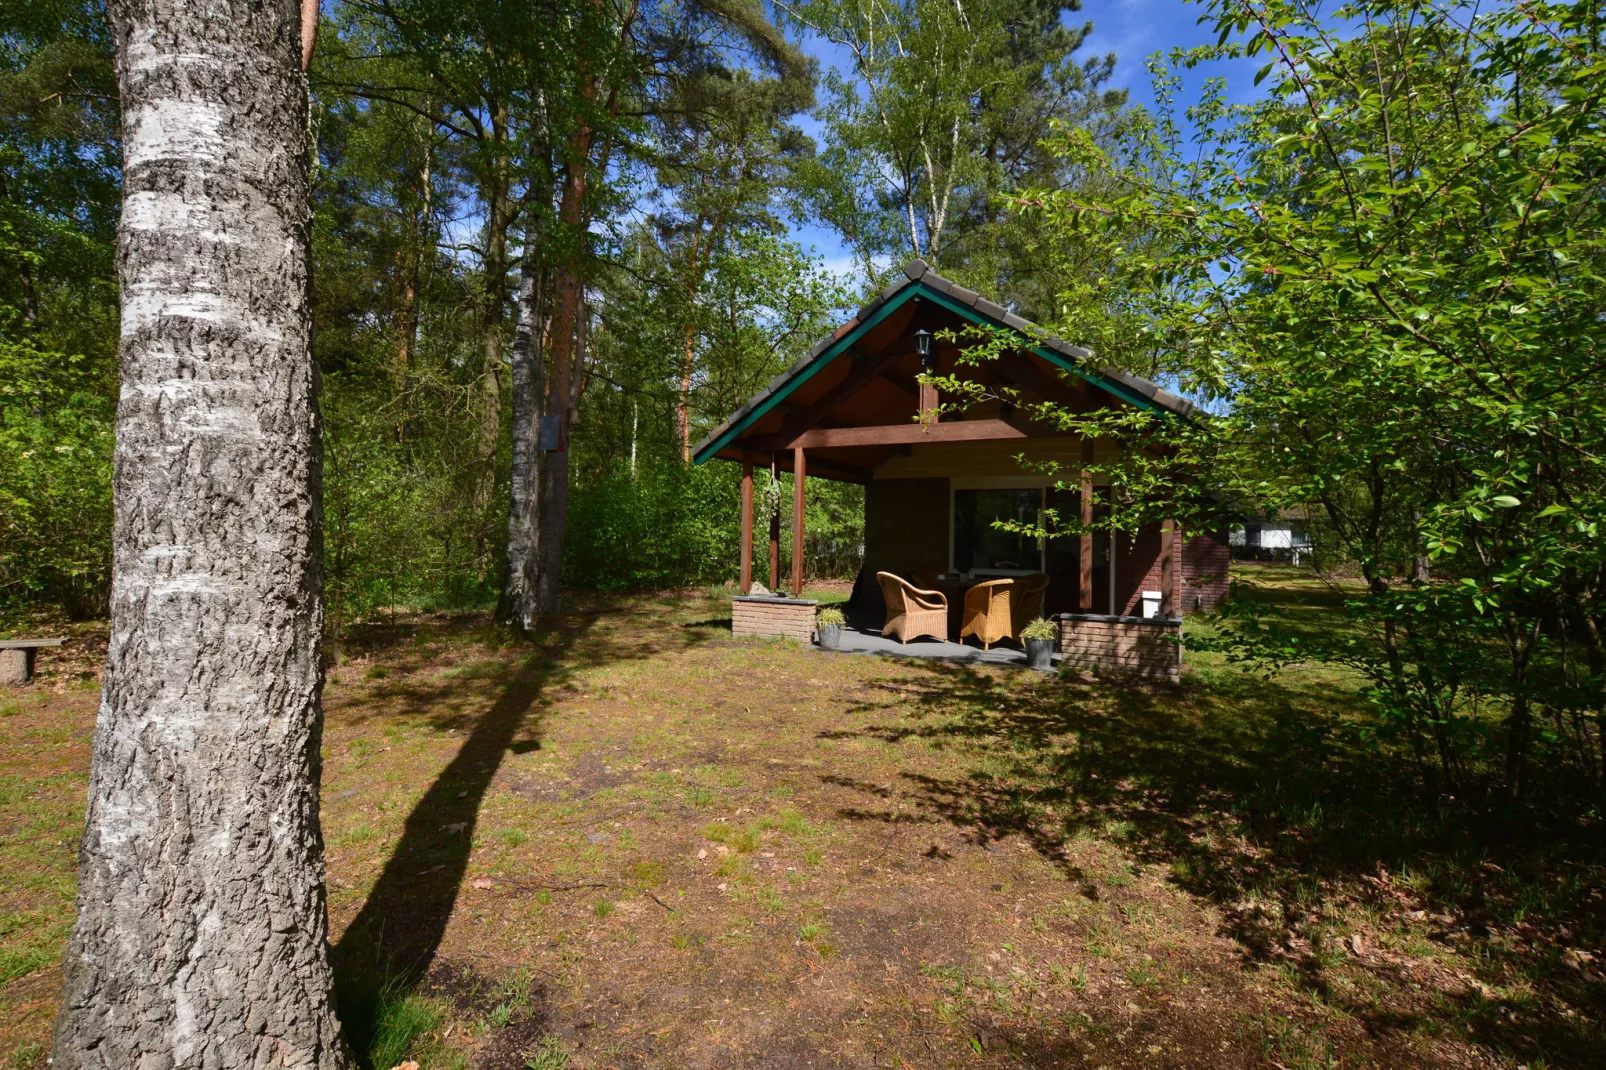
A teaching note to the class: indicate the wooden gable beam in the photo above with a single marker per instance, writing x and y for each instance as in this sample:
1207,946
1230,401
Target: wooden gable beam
1024,375
901,382
866,371
843,473
909,434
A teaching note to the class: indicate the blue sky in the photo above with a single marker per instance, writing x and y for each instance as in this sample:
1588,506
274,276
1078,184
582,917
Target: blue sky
1133,30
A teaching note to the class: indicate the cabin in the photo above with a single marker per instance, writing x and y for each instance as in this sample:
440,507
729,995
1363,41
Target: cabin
852,409
1284,537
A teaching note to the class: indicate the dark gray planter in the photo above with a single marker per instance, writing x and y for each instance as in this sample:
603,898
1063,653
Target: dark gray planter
1040,653
830,636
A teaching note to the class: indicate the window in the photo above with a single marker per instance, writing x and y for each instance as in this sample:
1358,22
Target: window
979,545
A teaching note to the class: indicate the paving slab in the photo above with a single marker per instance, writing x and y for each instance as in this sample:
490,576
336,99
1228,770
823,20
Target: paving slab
870,641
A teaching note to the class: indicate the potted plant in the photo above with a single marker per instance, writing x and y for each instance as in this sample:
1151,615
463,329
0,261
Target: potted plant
828,627
1040,636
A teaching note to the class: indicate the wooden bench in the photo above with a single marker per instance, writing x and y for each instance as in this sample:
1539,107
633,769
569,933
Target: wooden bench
16,659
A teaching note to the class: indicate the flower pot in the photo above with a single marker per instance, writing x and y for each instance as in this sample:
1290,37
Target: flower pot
830,636
1040,653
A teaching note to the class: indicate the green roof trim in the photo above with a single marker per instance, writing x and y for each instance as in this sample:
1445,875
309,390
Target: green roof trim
795,377
923,283
1114,386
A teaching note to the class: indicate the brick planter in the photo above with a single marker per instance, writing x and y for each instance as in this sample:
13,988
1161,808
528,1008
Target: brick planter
1146,647
773,618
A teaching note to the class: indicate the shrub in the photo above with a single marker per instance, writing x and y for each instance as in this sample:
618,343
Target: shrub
1040,628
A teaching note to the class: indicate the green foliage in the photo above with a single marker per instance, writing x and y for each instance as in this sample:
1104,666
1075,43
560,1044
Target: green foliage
551,1054
58,172
55,482
427,115
385,1020
938,109
671,525
1040,628
830,617
677,526
1387,271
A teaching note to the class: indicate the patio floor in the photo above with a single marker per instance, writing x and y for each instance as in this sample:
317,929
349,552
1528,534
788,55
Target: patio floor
863,639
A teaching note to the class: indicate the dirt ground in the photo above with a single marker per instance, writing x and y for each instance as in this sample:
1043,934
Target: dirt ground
641,843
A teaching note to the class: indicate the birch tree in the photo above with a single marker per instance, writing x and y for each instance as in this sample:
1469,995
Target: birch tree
938,109
201,932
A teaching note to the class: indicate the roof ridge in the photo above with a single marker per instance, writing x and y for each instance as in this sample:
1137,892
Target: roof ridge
916,272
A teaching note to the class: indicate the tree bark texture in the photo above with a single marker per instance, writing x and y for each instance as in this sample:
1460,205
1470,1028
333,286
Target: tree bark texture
569,307
520,607
554,475
201,931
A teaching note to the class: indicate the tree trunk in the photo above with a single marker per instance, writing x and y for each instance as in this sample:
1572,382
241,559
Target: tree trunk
499,217
201,931
565,329
555,466
688,363
688,354
519,602
1520,640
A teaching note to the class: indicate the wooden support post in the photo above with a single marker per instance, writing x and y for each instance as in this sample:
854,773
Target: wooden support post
747,522
775,533
799,476
1084,598
1168,567
927,403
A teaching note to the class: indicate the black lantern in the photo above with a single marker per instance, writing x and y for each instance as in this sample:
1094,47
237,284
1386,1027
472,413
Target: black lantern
923,347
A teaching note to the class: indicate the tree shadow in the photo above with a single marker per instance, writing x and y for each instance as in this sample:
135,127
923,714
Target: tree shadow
399,929
1268,799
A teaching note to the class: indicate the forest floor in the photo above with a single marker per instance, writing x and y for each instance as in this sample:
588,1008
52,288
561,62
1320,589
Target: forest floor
641,843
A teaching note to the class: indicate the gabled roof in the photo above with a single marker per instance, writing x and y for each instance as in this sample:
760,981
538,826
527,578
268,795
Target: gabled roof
920,281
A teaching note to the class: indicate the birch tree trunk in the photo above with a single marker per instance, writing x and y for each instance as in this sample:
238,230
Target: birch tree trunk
201,931
519,592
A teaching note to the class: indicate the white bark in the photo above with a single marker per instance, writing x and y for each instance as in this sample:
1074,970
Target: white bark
520,607
201,932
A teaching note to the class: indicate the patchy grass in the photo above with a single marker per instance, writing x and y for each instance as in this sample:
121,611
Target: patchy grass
637,842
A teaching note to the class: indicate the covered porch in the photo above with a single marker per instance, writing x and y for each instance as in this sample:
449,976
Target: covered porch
936,485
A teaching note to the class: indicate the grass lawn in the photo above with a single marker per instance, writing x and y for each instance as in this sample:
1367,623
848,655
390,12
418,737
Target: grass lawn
640,843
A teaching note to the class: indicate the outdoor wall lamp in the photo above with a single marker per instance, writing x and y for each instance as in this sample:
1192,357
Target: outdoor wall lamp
928,363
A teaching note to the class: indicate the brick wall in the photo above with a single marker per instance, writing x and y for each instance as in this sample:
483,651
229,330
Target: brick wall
1205,559
1122,646
1201,575
777,618
1137,569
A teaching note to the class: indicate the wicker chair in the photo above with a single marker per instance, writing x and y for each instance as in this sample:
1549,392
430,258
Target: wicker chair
987,612
1026,601
912,612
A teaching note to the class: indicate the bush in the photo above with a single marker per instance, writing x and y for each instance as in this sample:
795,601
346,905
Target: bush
1040,629
670,526
676,526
